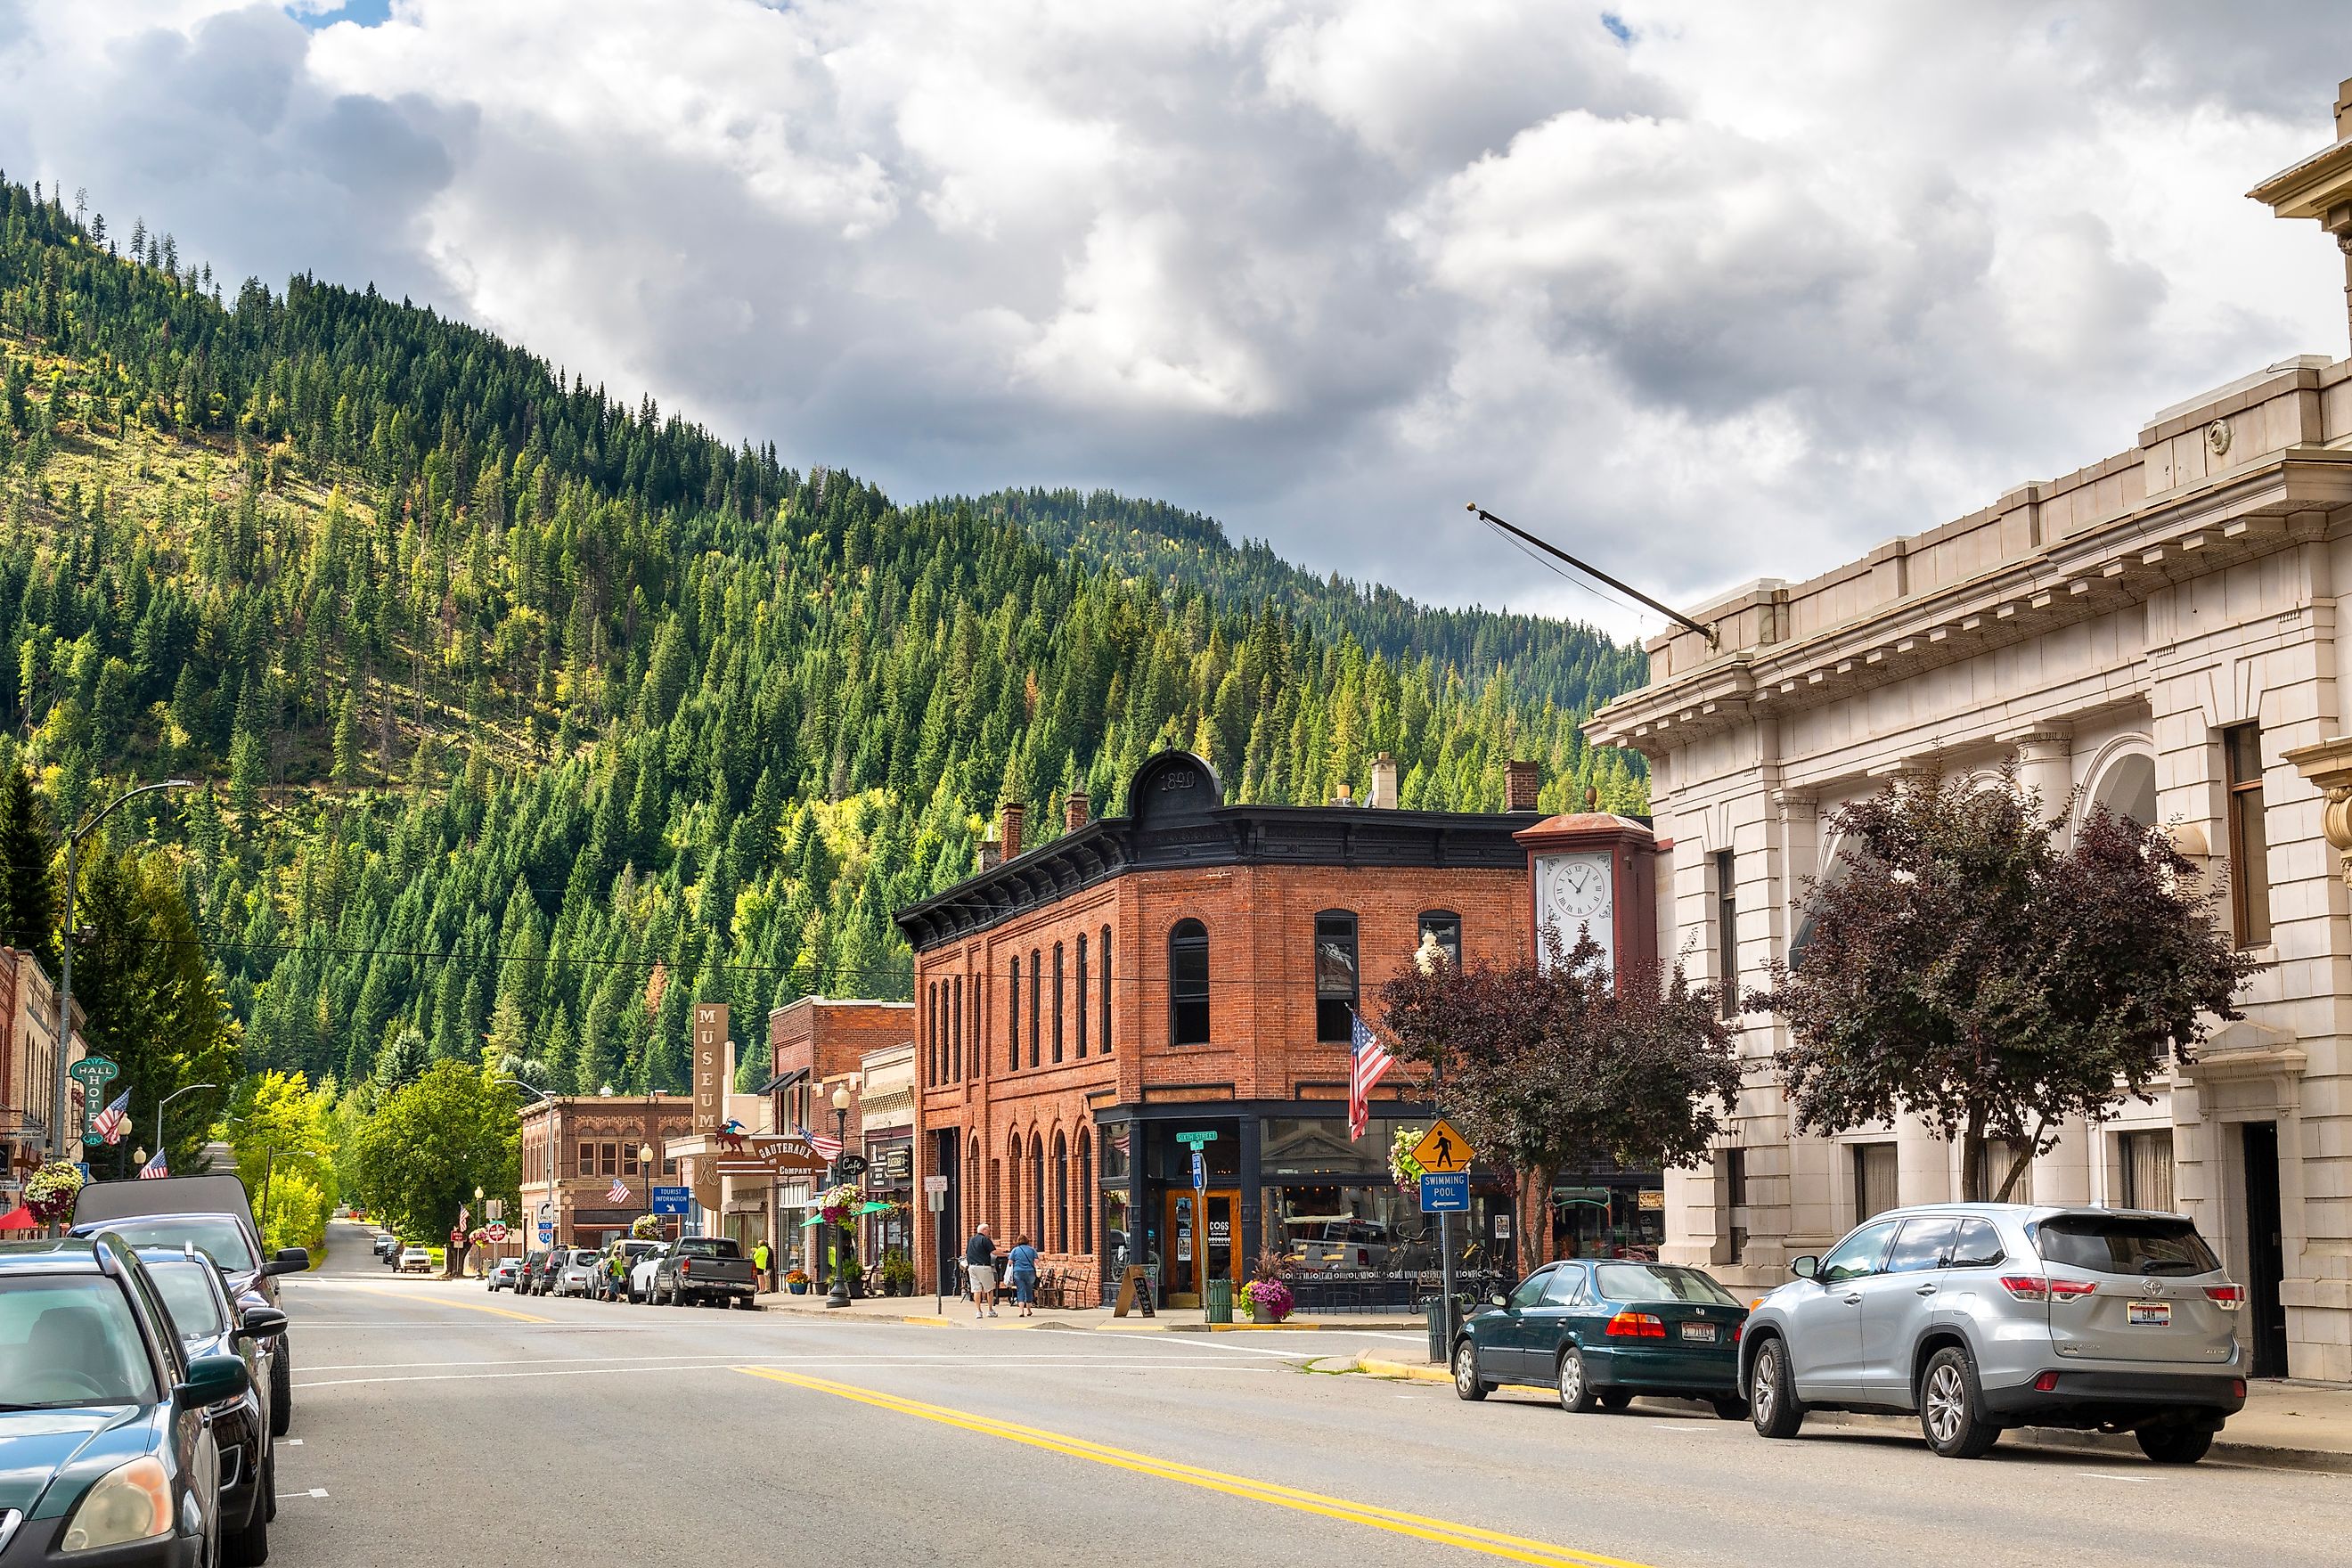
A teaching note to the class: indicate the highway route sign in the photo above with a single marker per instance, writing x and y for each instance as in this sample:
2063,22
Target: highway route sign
1443,1150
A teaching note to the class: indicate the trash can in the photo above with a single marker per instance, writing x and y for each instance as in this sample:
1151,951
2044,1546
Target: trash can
1221,1300
1442,1325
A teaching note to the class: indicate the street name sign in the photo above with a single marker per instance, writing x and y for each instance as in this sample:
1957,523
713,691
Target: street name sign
667,1200
1196,1139
935,1183
1445,1192
1442,1149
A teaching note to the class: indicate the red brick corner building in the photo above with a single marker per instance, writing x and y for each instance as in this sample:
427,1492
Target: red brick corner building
1191,968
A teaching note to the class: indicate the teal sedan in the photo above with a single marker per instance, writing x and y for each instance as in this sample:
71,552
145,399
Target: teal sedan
108,1453
1601,1330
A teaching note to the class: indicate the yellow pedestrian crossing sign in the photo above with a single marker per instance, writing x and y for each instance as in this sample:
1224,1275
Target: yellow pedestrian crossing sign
1443,1149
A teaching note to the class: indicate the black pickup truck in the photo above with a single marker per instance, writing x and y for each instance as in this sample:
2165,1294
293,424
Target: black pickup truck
706,1269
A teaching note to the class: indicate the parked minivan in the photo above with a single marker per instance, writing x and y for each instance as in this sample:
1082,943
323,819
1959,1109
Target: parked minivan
1980,1317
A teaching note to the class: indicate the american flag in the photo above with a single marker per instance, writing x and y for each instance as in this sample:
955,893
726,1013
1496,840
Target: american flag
826,1148
154,1167
108,1124
1368,1062
618,1193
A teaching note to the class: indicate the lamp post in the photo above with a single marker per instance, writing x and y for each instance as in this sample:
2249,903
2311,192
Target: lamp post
477,1216
64,955
161,1141
646,1165
1429,958
846,1242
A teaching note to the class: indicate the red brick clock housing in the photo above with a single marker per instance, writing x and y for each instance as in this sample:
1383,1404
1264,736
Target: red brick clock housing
1191,967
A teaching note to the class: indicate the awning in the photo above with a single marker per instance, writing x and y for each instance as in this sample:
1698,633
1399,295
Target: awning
781,1081
19,1219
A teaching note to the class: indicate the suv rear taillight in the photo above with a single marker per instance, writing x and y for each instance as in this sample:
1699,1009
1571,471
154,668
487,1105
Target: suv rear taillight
2031,1288
2229,1298
685,1266
1637,1326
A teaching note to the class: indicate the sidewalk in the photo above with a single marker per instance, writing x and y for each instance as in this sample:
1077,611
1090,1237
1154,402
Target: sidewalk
954,1313
2284,1425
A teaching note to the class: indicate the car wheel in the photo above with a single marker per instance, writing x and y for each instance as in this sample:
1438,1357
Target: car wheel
250,1545
1615,1399
269,1481
2174,1445
1771,1393
281,1390
1951,1406
1577,1395
1467,1383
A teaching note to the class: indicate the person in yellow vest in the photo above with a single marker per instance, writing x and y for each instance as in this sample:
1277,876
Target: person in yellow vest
760,1261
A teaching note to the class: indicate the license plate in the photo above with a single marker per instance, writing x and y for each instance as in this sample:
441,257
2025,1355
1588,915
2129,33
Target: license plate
1700,1333
2148,1314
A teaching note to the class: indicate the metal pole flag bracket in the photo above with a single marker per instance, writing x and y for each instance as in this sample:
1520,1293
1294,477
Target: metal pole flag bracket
1594,572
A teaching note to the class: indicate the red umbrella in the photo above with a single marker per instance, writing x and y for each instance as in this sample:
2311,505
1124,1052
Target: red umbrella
20,1218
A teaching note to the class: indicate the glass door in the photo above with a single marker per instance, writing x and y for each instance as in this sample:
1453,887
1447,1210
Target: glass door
1202,1241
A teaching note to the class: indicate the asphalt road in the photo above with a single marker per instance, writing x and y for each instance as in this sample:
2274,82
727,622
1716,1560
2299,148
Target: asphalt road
440,1423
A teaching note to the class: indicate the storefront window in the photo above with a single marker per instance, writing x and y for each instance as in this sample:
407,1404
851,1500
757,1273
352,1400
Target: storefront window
1117,1152
1616,1221
1377,1231
1315,1145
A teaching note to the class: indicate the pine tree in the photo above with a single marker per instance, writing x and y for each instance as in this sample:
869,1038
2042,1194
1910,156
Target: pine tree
29,896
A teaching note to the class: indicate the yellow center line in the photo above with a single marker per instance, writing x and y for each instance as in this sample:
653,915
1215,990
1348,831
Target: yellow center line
1446,1533
434,1302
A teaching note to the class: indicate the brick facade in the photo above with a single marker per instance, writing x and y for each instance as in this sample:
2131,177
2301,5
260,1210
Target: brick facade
560,1135
1030,1050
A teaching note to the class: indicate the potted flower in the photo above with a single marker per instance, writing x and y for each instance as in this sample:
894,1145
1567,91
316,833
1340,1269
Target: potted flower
52,1191
797,1282
1269,1301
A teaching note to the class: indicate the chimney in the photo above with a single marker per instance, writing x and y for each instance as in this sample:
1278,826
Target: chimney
1384,782
1010,814
1345,796
990,856
1520,781
2344,111
1074,811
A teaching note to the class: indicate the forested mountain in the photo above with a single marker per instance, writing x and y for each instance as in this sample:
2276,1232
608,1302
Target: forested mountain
1573,665
532,715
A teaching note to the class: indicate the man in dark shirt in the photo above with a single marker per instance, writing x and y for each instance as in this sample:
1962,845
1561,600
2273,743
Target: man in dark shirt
980,1259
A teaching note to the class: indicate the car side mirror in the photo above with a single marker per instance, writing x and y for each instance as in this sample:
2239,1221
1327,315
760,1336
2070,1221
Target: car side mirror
260,1322
1499,1300
289,1260
214,1378
1805,1267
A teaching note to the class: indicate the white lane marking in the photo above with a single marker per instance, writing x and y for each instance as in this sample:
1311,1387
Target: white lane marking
290,1442
2134,1480
1375,1334
318,1491
739,1360
1209,1343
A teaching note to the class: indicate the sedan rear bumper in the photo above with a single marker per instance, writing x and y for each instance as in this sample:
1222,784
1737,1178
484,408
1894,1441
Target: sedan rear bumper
2120,1399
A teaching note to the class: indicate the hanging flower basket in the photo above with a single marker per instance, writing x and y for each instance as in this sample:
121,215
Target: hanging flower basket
51,1192
1403,1169
841,1204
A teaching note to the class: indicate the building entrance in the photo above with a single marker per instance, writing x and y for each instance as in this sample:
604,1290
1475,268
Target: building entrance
2266,1248
1202,1239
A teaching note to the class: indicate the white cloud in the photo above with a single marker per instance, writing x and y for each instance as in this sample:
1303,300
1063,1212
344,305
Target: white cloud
1727,290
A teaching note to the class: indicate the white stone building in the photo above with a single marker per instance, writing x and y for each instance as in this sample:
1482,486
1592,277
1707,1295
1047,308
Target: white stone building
2156,631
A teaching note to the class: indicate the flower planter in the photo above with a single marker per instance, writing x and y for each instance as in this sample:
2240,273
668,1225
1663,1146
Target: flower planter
797,1287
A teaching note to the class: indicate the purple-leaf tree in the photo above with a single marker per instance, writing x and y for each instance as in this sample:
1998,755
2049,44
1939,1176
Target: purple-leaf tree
1965,968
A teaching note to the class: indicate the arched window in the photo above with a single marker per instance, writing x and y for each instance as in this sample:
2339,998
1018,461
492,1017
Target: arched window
974,1197
1105,990
1082,996
955,1035
1038,1191
1086,1185
1446,927
1012,1035
1036,974
1061,1194
1187,983
1335,977
1058,1000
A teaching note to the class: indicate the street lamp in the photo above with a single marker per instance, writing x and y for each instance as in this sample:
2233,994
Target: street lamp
645,1168
477,1214
540,1094
848,1241
161,1141
65,963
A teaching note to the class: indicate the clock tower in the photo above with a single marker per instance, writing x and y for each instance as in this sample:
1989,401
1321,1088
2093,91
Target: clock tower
1595,871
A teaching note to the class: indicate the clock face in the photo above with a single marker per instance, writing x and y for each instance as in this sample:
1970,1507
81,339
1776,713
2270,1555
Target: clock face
1580,888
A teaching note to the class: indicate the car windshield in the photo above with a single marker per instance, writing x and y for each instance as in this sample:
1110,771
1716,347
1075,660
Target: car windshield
217,1235
188,1296
709,1247
68,1341
2122,1244
1660,1282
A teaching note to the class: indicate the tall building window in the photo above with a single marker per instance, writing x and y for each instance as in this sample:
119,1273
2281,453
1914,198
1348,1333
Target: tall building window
1187,983
1995,1159
1036,1023
1874,1180
955,1032
1446,927
587,1158
608,1159
2147,1169
1086,1184
1061,1196
1058,1000
628,1158
1726,934
1105,990
2250,870
1334,976
1082,995
931,1033
1013,1037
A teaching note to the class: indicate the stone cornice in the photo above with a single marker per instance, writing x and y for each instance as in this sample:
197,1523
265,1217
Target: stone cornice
2185,533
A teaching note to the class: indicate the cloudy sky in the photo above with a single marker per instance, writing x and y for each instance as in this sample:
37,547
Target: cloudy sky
1708,291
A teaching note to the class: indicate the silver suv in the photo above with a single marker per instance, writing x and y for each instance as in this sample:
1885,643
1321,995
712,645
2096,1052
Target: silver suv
1985,1316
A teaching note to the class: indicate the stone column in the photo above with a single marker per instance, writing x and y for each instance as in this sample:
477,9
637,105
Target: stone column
2046,765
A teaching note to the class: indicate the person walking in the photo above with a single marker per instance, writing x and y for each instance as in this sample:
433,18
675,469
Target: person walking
979,1262
760,1259
1024,1259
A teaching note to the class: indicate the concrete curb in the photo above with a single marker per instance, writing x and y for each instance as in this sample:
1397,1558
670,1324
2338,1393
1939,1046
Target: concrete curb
2121,1448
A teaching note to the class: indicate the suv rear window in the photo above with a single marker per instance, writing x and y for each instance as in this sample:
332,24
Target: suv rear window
709,1247
2118,1245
